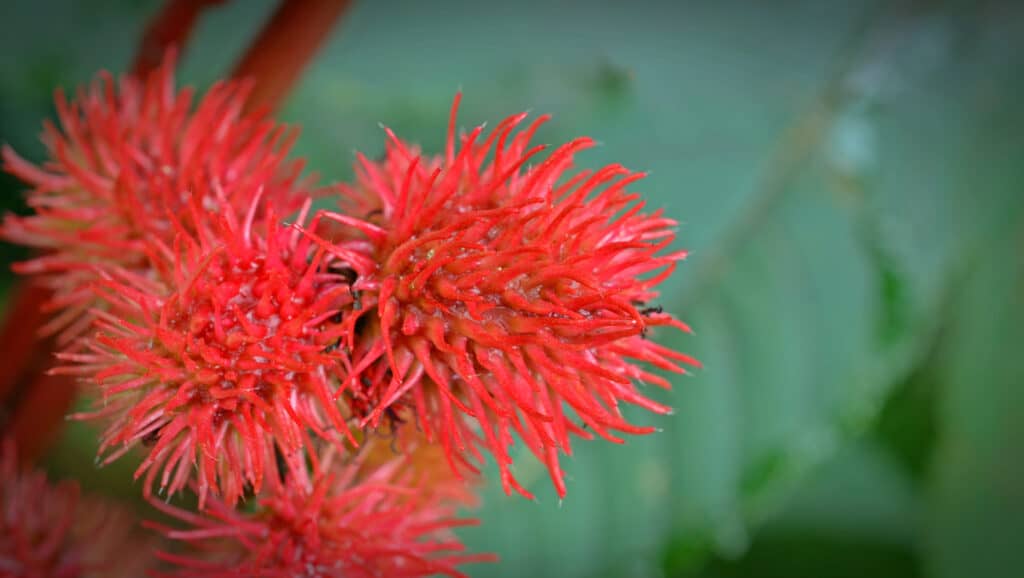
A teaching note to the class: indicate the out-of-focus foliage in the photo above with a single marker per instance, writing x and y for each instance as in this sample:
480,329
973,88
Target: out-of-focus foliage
850,179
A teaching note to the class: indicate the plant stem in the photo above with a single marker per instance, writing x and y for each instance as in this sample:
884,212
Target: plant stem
32,403
18,338
169,29
39,416
285,47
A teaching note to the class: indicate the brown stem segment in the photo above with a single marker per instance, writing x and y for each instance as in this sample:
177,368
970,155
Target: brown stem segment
18,340
169,29
285,46
39,416
32,403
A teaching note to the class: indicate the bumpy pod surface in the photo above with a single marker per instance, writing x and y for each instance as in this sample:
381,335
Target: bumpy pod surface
230,352
372,514
126,161
49,529
503,297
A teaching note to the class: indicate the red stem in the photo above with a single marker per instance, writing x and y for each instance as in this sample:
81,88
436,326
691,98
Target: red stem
285,47
40,413
170,28
33,403
18,338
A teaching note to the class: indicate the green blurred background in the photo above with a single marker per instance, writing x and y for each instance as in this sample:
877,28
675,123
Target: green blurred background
850,179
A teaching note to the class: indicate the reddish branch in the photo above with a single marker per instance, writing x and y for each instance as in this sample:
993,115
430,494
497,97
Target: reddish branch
170,28
31,402
22,317
285,46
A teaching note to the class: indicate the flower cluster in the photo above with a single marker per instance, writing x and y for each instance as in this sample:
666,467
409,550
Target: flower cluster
50,529
512,295
257,352
132,161
374,513
225,353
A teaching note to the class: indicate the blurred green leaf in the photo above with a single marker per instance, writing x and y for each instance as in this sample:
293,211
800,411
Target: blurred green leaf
976,497
854,515
976,494
908,424
801,556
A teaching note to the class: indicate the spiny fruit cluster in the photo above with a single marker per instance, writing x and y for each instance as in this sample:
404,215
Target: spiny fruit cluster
51,529
251,348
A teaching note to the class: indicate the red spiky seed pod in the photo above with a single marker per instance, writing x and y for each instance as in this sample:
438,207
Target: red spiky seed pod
509,294
51,530
128,158
373,514
231,353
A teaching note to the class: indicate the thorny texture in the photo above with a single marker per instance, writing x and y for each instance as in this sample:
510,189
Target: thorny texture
468,298
373,514
48,530
510,294
131,160
229,355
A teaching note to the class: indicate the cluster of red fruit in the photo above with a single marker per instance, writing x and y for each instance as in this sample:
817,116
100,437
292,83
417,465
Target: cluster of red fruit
340,358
